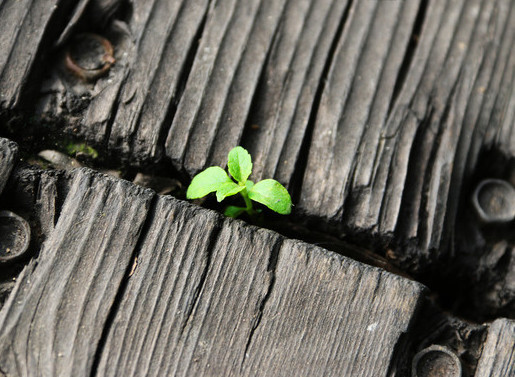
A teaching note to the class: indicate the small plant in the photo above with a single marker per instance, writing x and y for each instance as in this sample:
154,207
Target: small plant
74,149
214,179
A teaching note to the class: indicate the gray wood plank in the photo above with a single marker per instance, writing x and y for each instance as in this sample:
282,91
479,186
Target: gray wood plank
151,91
212,112
27,29
53,320
330,316
8,158
194,295
285,99
393,156
498,357
209,297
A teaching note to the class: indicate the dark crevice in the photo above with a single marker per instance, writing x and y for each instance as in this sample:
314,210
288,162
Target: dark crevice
115,307
271,268
181,86
410,52
213,238
301,164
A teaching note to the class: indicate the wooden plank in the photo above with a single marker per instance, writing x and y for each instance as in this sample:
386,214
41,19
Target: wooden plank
285,99
214,107
27,29
166,36
194,295
209,297
330,316
8,157
54,318
498,357
392,156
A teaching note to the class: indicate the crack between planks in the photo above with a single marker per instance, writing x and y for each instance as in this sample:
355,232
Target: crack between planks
409,53
271,269
213,239
301,164
123,286
184,75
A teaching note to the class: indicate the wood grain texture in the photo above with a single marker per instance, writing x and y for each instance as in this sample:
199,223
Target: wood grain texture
292,77
28,27
54,318
498,357
166,33
327,315
209,297
8,158
395,143
215,104
194,296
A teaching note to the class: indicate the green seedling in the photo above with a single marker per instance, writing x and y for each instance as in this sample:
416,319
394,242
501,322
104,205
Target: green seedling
74,149
215,179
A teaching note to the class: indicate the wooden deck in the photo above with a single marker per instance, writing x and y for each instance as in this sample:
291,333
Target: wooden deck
379,116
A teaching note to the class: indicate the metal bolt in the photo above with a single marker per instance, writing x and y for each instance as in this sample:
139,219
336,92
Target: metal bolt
436,361
494,201
89,56
14,236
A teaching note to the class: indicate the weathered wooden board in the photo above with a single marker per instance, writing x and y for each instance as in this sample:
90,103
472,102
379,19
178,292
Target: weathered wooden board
498,357
192,301
54,318
392,156
136,109
212,297
214,107
285,99
327,315
8,158
27,29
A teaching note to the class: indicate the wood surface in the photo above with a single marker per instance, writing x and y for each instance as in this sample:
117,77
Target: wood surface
8,158
53,319
131,283
498,357
375,115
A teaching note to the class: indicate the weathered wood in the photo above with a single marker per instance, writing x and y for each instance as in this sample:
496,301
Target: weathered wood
213,109
193,297
8,157
498,357
26,32
53,320
205,300
285,97
392,156
165,34
327,315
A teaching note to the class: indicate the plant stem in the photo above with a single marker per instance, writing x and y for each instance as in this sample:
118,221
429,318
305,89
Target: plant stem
248,202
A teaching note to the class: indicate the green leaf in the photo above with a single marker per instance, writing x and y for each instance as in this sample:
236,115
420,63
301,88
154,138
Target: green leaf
272,194
249,185
233,211
206,182
228,189
240,164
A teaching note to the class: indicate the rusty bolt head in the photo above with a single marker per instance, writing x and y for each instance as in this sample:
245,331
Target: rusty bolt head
494,201
89,56
436,361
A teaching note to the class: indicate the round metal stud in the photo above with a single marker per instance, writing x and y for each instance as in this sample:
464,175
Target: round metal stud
14,236
436,361
494,201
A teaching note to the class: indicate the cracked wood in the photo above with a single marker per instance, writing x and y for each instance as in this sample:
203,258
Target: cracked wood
52,322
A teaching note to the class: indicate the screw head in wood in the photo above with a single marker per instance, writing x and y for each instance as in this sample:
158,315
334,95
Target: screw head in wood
494,201
89,56
14,236
436,361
